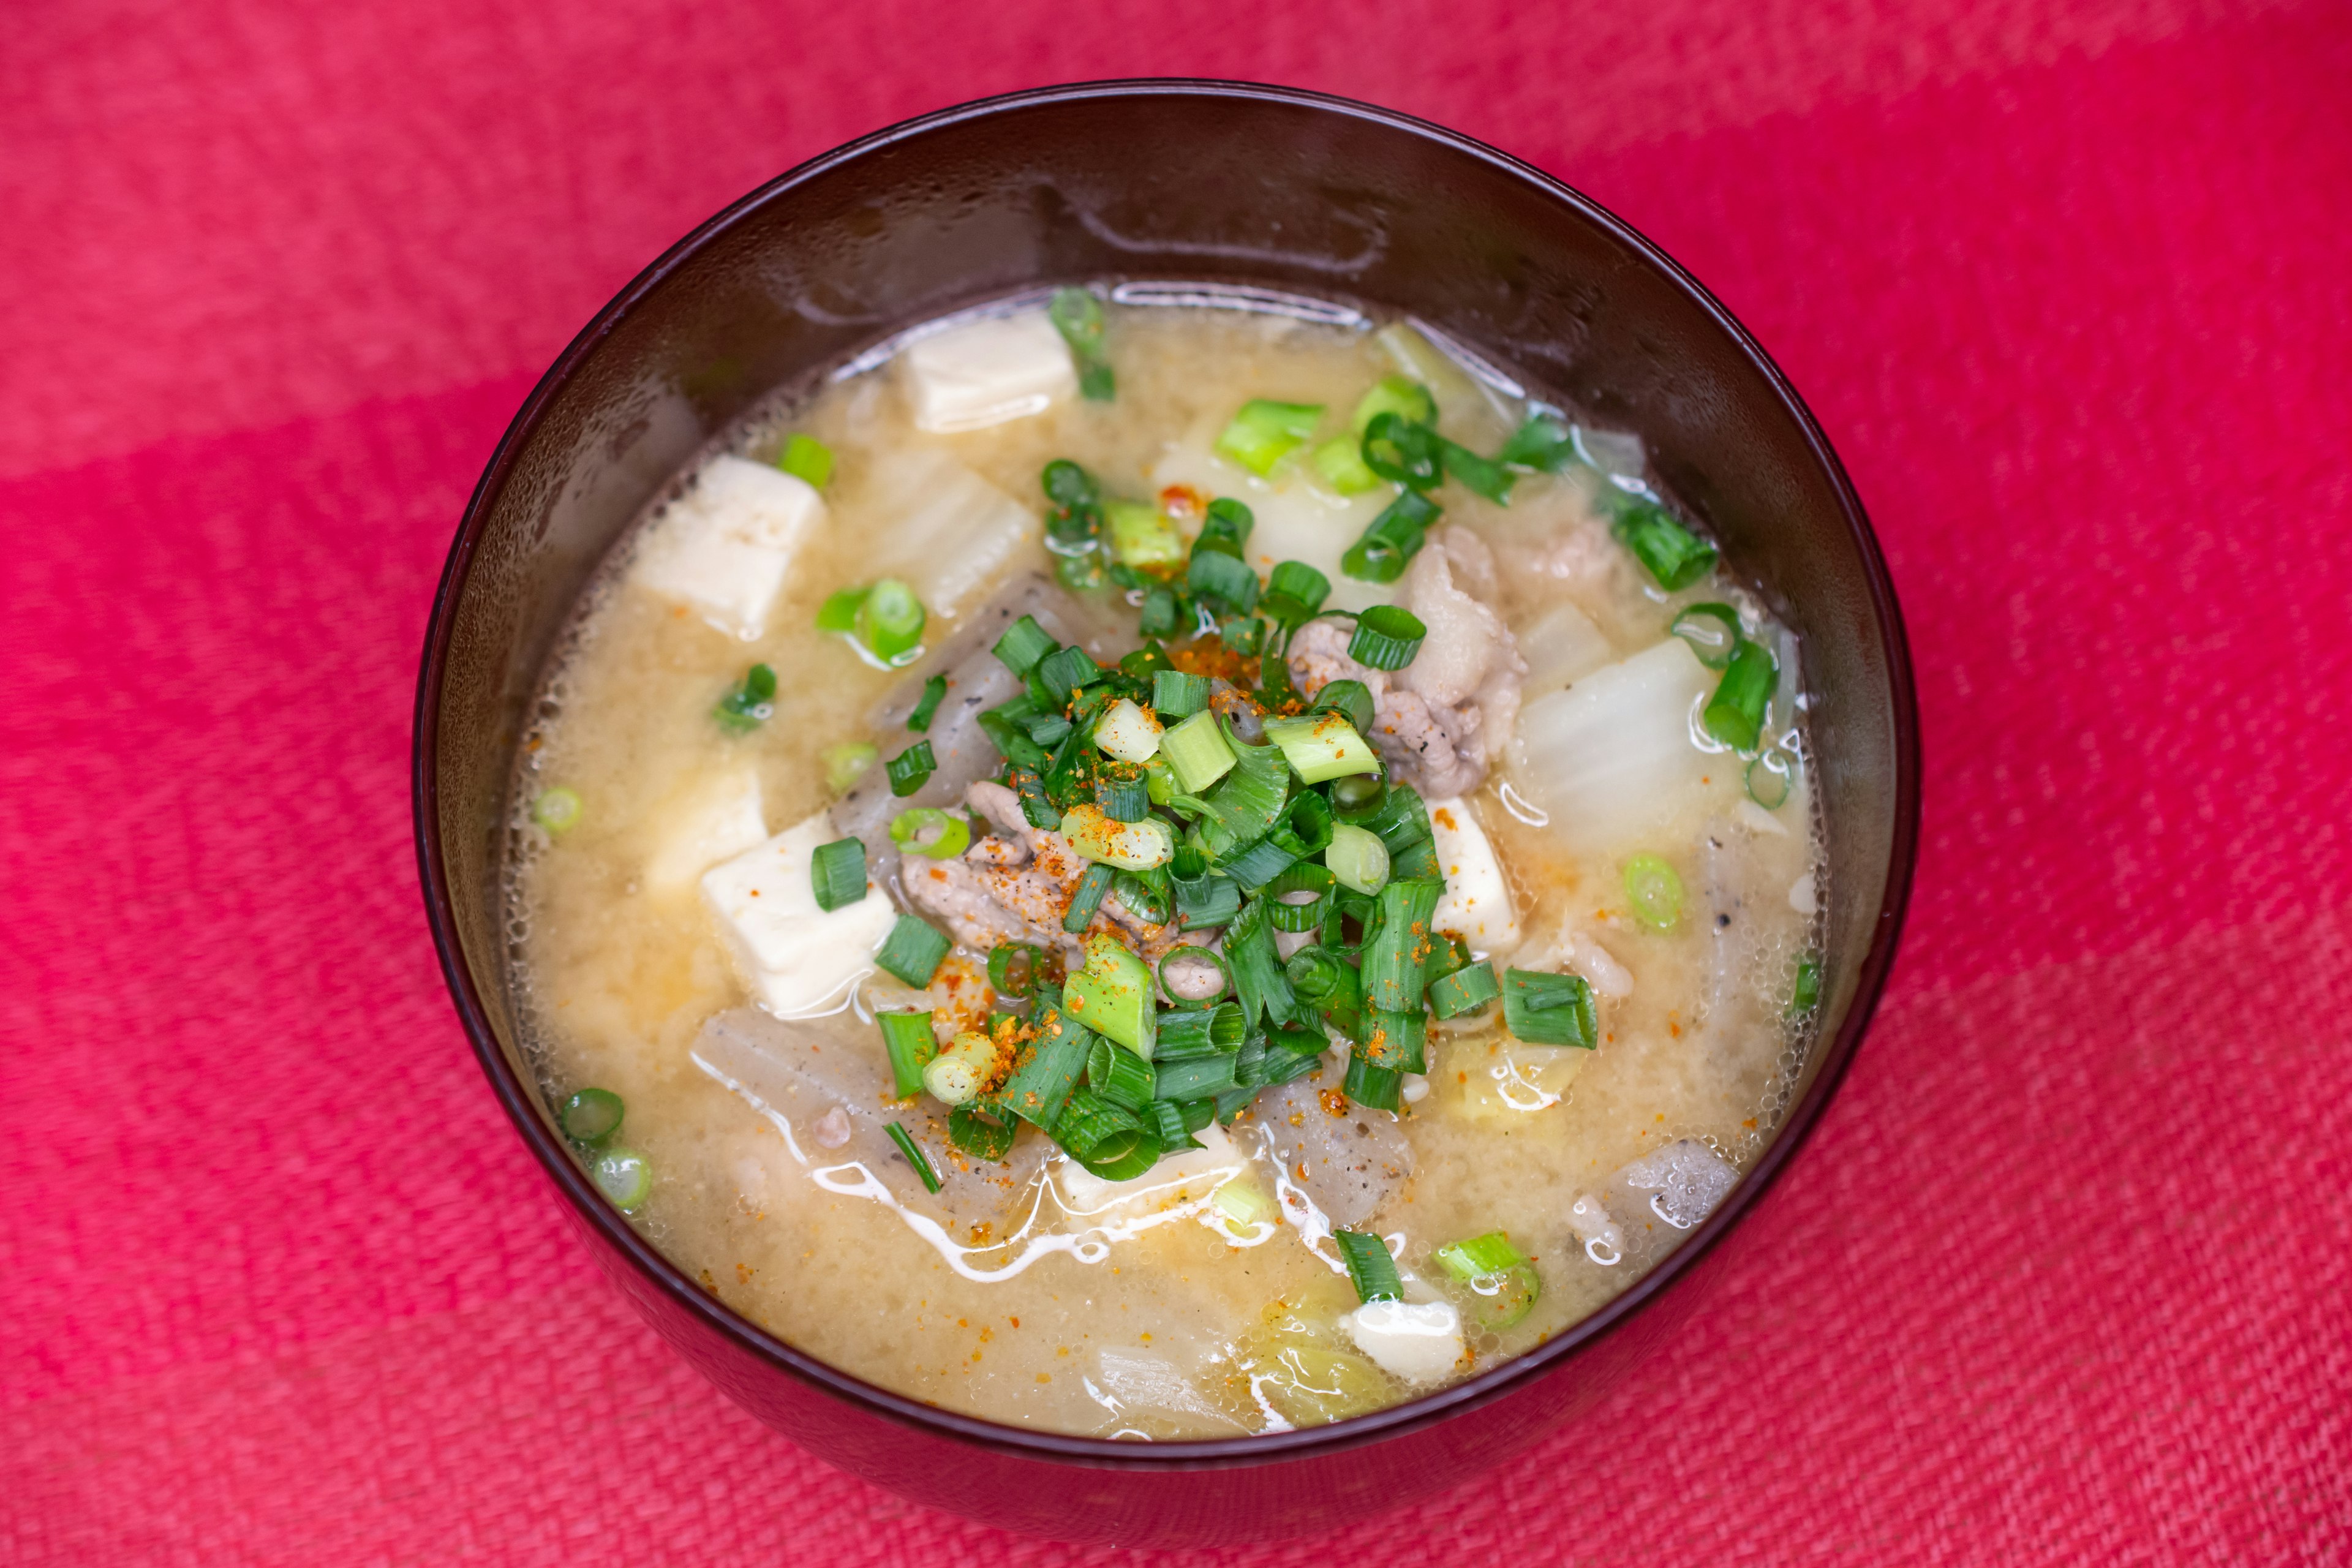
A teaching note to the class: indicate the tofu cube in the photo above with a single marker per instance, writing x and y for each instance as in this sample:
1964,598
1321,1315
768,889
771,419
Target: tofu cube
710,820
798,959
1180,1177
987,372
724,547
1478,902
1419,1341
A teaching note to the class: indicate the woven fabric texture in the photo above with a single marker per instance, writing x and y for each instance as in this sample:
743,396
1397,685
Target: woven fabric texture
2062,1278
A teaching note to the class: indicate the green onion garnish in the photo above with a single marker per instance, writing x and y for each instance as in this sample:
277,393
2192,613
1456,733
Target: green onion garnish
1214,574
1255,864
590,1116
1351,699
1294,593
1170,1121
748,703
910,767
1259,983
1806,994
1092,889
839,611
960,1072
1401,819
624,1176
1203,902
1548,1009
1340,461
1768,779
1357,857
1396,1040
1111,994
1226,526
890,621
1193,1077
1014,968
843,763
1047,1071
1542,442
1187,989
926,830
1123,799
1370,1267
1196,750
1120,1077
1075,523
906,1041
1712,630
837,873
1378,1086
1401,396
1108,1140
1188,1032
1145,899
1391,540
913,1153
1675,556
1404,452
1137,846
1128,732
1387,637
1324,746
1501,1281
1140,536
1486,476
556,809
1025,642
1316,974
913,950
1395,962
1176,695
1655,892
1264,432
1467,989
926,707
808,459
1077,315
1735,714
1065,669
980,1133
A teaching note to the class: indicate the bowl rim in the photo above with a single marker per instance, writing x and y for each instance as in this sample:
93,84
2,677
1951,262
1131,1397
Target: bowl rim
518,1097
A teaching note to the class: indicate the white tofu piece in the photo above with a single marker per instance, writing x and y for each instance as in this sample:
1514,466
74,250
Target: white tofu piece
1419,1341
1478,902
710,820
1177,1178
1295,519
950,535
1613,755
724,547
985,373
797,958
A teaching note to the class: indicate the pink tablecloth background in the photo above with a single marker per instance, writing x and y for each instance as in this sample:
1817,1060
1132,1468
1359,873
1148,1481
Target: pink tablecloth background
2064,1277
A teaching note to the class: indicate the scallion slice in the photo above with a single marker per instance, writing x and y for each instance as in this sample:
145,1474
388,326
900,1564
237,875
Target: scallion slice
1226,526
837,873
928,831
1188,983
1351,700
1387,637
1207,902
1120,1077
1370,1268
1295,592
1675,556
1404,451
961,1071
1324,746
1501,1281
846,763
1025,642
1170,1122
1401,819
1395,1040
1378,1086
1123,799
1768,779
1187,1032
1712,630
1391,540
1145,899
1138,846
1176,694
1398,395
1340,461
839,611
1108,1140
1194,1076
915,1157
1548,1009
806,458
926,707
1806,994
1214,574
1396,960
750,703
1357,857
1014,968
1111,994
906,1041
590,1116
1259,983
1542,442
1087,897
1655,892
910,768
981,1133
913,950
1735,714
1486,476
1264,432
890,621
1065,669
1044,1074
624,1176
1040,811
1255,864
557,809
1077,315
1468,990
1128,732
1197,751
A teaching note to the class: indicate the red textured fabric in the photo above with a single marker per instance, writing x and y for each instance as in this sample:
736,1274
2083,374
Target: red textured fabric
2062,1278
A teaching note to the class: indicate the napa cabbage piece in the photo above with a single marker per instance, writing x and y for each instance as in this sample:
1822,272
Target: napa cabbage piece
1614,753
1297,520
943,529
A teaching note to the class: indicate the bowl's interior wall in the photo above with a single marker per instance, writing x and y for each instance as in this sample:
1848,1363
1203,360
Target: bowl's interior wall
1166,184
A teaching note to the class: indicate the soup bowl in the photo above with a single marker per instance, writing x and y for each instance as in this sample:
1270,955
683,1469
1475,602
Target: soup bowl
1241,187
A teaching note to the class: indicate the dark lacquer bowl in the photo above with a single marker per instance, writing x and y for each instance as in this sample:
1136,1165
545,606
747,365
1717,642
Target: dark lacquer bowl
1166,180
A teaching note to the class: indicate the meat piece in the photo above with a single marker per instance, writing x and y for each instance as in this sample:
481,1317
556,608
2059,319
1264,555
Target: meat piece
1015,885
1349,1163
1441,720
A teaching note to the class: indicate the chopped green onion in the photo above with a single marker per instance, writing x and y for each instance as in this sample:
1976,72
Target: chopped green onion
1465,991
1259,983
1675,556
1120,1077
1203,902
1281,1064
981,1134
1264,432
960,1072
1542,442
1404,451
1188,1032
1107,1139
1768,779
1305,826
1043,1079
1292,919
909,1148
1025,642
1655,892
1806,994
1486,476
1226,526
1197,752
1123,799
1128,732
1503,1281
1735,714
1387,637
808,459
750,703
890,621
839,611
1189,991
1450,954
1111,994
1242,634
926,707
843,763
1357,857
1035,806
837,873
1194,1076
1396,960
1378,1086
1178,695
1391,540
1144,898
1215,575
1145,661
1396,1040
1170,1121
1401,819
1398,395
1370,1268
1548,1009
1092,889
557,809
1077,315
1257,863
1014,968
1159,617
1074,521
1247,801
1322,746
624,1176
928,831
1295,592
1065,669
913,950
1126,845
907,1041
1351,700
1418,859
910,768
1712,630
1315,973
1340,461
590,1116
1140,536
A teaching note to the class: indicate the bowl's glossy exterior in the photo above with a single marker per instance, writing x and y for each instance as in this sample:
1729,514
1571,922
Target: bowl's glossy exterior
1174,181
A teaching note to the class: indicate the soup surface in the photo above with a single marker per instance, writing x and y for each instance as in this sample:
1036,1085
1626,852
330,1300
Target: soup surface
1295,839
